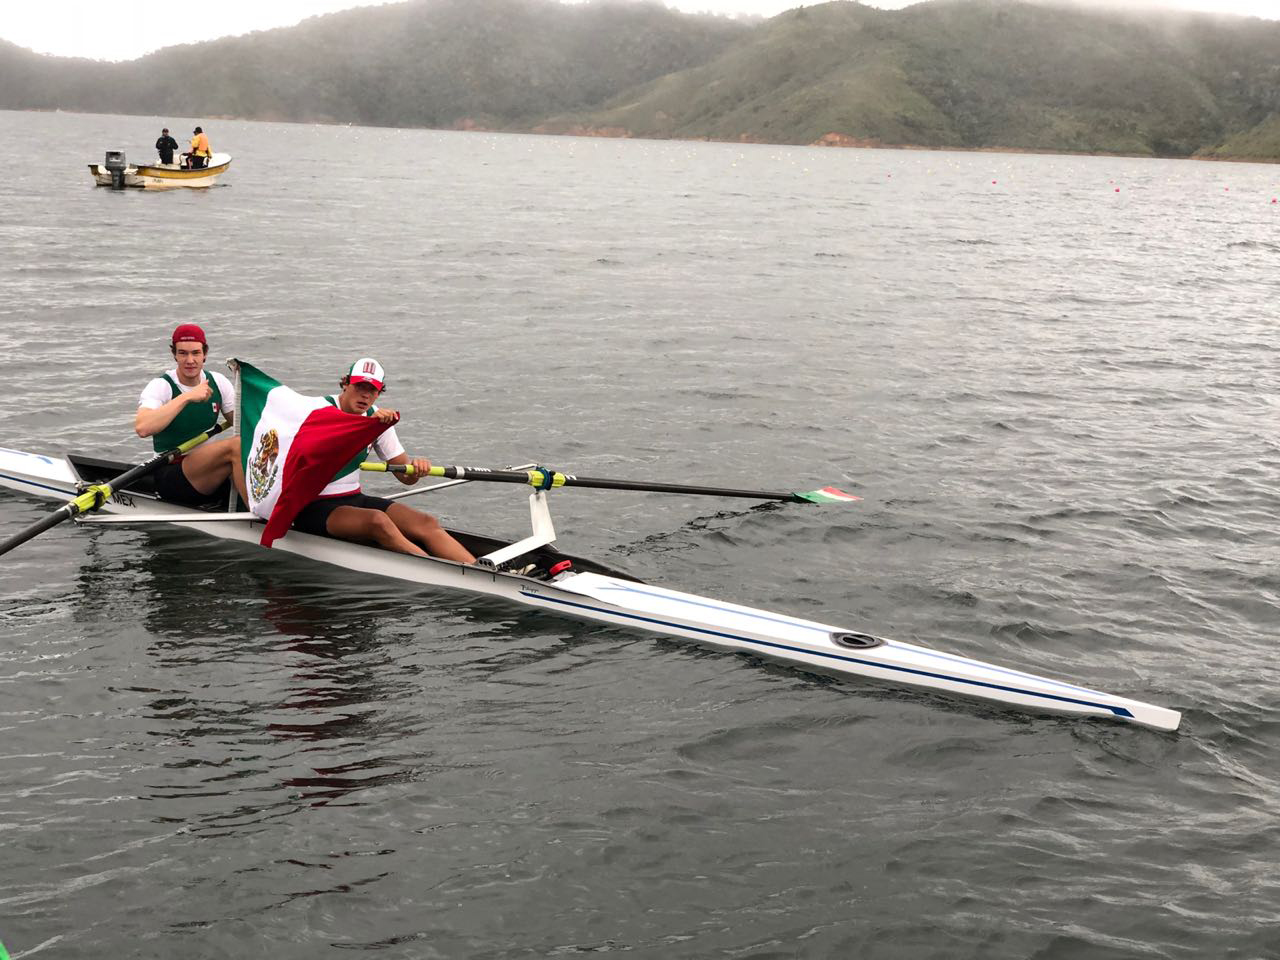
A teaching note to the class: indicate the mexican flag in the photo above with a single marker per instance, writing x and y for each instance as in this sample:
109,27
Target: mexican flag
291,446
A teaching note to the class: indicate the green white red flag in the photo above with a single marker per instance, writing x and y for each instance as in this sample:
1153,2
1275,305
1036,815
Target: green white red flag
291,446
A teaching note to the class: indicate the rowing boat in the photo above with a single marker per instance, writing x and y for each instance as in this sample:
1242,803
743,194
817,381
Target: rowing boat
593,591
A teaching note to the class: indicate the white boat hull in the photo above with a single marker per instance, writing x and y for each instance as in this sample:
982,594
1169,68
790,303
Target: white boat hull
628,603
165,176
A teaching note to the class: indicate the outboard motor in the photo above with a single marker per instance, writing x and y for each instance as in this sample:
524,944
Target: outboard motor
115,165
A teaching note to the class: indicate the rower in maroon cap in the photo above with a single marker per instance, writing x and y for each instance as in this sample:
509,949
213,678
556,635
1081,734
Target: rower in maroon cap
182,403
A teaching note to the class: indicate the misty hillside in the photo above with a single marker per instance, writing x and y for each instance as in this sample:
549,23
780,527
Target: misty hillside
978,73
425,63
947,73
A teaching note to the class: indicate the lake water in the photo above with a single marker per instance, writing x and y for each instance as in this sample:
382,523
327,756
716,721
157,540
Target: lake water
1054,380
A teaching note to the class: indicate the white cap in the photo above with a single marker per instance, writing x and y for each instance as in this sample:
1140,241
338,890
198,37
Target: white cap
368,370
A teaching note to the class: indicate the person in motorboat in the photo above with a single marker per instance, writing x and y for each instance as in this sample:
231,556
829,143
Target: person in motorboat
342,511
200,152
165,146
183,403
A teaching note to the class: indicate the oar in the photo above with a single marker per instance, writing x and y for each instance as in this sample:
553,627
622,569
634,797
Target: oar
544,479
443,486
98,494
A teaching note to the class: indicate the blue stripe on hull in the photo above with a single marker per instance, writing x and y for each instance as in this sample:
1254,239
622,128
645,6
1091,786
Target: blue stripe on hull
824,630
1114,710
43,486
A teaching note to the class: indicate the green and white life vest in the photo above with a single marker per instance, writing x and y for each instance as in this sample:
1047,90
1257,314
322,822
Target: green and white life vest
193,420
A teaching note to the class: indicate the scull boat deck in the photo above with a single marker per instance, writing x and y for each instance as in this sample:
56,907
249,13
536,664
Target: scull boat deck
595,592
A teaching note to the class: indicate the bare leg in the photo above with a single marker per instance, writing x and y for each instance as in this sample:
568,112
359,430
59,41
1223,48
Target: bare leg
363,524
208,465
237,471
425,529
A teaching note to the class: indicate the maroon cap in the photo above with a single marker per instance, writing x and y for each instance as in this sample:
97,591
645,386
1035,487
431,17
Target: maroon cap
189,331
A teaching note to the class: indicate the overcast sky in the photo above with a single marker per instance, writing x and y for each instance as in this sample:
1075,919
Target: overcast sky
115,30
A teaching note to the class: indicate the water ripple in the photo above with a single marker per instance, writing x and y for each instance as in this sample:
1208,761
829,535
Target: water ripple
1059,410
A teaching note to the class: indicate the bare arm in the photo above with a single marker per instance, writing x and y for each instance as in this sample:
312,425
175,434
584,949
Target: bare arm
420,467
420,464
151,420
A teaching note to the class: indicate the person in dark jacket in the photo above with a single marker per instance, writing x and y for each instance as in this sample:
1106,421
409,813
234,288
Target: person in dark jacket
166,145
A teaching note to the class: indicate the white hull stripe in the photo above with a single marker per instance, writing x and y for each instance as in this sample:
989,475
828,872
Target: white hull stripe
1110,708
756,614
23,453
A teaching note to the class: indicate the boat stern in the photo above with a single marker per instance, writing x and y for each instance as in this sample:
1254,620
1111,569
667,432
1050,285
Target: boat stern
37,475
114,171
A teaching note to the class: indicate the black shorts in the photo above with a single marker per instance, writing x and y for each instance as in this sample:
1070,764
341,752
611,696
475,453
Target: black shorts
314,517
173,486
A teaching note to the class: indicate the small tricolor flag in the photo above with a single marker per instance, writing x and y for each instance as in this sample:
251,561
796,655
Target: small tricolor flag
291,446
827,495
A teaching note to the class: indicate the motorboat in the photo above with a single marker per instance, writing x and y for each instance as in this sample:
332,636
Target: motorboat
116,172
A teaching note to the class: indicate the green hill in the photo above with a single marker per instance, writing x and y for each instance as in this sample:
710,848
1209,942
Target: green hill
946,73
1261,142
973,73
430,63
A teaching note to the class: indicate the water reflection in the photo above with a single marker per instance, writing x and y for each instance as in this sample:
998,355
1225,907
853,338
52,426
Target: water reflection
264,679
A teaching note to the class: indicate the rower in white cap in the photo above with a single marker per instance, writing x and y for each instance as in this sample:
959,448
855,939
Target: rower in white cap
343,511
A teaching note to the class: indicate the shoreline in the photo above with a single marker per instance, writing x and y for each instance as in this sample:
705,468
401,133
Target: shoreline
833,140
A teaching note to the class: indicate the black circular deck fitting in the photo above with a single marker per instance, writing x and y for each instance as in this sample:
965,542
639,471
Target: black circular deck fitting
856,641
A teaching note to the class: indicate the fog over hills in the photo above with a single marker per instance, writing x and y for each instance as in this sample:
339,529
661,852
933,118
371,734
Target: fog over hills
428,63
948,73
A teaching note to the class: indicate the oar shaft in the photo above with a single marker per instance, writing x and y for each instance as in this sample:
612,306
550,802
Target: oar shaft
438,486
65,512
545,479
98,494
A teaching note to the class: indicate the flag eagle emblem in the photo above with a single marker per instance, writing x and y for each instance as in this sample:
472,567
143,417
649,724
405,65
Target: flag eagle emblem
263,466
